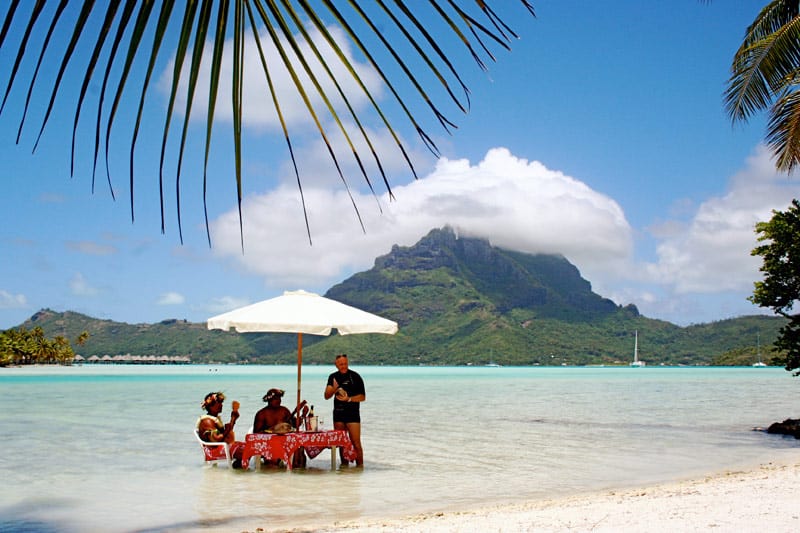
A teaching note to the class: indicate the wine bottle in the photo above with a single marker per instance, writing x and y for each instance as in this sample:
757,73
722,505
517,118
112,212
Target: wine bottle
311,412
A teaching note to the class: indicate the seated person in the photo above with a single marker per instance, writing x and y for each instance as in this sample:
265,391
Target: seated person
211,428
275,418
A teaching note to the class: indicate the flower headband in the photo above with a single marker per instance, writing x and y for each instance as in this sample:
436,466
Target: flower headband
272,394
212,397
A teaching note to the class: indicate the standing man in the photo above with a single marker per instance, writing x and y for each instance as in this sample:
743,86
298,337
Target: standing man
347,388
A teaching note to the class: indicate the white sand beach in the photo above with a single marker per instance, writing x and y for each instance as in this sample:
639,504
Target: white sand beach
763,499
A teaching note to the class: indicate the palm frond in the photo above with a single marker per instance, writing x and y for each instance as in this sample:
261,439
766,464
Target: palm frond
183,45
213,91
289,37
772,17
281,119
438,50
426,139
127,13
113,43
318,55
770,51
79,26
143,16
37,10
323,30
107,24
203,22
783,133
53,23
309,106
12,8
158,38
236,105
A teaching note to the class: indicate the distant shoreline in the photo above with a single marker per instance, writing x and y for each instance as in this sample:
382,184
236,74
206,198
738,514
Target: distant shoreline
178,361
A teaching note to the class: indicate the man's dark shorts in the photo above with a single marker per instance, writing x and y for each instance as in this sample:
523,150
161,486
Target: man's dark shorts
346,417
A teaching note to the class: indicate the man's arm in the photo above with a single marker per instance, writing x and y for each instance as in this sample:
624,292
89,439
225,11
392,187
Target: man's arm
258,423
331,389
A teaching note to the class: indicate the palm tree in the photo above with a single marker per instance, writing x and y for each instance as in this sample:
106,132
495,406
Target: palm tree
765,74
82,337
120,34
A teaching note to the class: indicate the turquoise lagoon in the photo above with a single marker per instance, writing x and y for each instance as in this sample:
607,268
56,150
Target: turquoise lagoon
110,448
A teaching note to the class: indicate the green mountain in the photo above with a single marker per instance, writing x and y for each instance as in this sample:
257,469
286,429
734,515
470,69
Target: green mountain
457,300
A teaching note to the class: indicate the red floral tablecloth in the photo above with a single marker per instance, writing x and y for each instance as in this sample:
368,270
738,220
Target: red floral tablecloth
272,446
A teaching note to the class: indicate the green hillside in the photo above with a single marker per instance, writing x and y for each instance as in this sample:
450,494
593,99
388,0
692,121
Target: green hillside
457,300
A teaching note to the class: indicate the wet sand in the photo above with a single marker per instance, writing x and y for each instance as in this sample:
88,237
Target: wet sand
762,499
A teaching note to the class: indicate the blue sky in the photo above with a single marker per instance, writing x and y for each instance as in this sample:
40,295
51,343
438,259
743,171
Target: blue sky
601,136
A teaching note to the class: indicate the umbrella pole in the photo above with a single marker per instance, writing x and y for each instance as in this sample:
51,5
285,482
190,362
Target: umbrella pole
299,366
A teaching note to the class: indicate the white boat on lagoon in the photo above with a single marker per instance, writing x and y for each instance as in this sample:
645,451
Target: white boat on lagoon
636,362
491,362
760,363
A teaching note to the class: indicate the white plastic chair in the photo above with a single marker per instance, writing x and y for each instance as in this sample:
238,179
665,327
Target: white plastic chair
208,450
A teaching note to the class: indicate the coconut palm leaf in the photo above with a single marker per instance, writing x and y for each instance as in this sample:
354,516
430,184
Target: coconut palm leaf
236,103
320,26
426,139
289,37
764,75
194,72
279,113
114,39
127,13
80,24
158,37
318,55
28,30
307,101
783,131
37,10
139,27
183,45
436,48
213,90
12,7
767,54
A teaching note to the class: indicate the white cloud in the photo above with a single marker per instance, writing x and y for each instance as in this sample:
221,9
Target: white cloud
12,301
514,203
225,303
524,206
171,298
316,167
80,287
51,198
91,248
703,269
712,252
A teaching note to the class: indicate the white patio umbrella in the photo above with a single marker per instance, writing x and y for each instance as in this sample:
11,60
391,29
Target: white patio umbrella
301,312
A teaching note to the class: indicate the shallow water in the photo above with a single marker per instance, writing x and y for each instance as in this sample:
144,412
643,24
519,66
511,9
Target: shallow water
110,448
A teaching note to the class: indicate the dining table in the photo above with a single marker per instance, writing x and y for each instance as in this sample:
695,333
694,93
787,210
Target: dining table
283,446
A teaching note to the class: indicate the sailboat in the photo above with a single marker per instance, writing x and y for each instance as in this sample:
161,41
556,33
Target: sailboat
760,363
636,362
